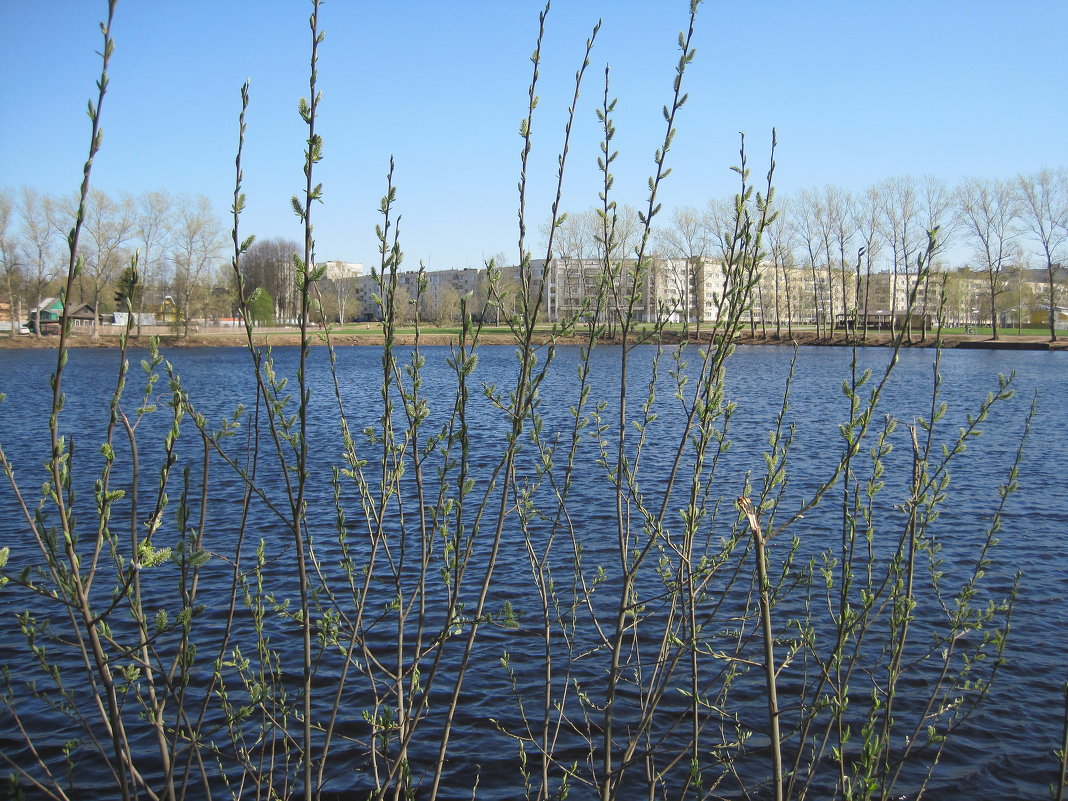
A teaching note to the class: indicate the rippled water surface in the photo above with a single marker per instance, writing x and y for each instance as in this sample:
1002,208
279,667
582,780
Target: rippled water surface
1004,751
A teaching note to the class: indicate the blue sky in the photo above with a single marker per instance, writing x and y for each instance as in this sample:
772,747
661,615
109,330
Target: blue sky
859,92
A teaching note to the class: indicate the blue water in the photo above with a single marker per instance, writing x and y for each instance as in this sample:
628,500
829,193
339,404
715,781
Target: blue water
1005,749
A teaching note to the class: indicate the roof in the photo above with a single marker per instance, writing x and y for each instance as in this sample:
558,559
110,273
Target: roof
46,304
83,310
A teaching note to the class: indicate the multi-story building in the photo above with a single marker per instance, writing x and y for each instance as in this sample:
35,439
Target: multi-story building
436,300
344,281
804,296
678,289
665,290
440,299
695,290
583,290
669,290
890,291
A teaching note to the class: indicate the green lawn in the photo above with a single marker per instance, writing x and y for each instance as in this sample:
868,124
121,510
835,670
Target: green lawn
1032,331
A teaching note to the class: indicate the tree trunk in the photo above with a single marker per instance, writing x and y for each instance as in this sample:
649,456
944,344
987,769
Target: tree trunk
779,314
11,301
1052,308
789,304
96,315
993,311
830,296
816,299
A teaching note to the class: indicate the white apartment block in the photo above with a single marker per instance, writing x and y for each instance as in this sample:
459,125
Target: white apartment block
671,290
341,270
693,291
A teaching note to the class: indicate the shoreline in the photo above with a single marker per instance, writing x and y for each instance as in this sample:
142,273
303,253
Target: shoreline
372,338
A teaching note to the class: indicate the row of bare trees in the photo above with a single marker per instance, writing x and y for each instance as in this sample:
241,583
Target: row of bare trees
1004,225
840,238
177,239
179,244
836,237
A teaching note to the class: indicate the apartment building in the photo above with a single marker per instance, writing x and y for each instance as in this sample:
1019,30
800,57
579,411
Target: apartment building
670,290
694,290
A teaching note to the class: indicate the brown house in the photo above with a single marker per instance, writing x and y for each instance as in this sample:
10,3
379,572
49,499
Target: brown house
46,316
82,316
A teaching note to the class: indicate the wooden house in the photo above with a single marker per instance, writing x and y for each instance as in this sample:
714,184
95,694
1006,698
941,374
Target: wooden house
44,317
82,317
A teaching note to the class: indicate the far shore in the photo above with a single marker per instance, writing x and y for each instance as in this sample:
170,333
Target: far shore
370,335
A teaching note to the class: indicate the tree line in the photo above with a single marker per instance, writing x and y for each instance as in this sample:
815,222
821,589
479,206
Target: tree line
839,238
142,248
158,250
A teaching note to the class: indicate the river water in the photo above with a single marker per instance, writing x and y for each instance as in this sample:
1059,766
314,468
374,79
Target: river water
1004,750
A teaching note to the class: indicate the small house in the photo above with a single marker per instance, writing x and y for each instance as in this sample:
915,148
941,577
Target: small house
44,317
82,316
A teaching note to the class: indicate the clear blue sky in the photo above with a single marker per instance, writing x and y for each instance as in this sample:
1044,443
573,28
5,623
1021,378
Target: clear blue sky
859,92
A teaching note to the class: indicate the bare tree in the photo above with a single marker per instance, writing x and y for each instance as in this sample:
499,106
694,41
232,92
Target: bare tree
405,305
840,226
958,288
499,288
938,215
152,227
574,243
781,246
809,220
196,245
39,257
222,292
575,237
616,254
594,273
10,262
1043,202
686,238
867,214
721,224
448,306
901,232
110,225
1019,294
268,265
628,233
988,215
342,290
